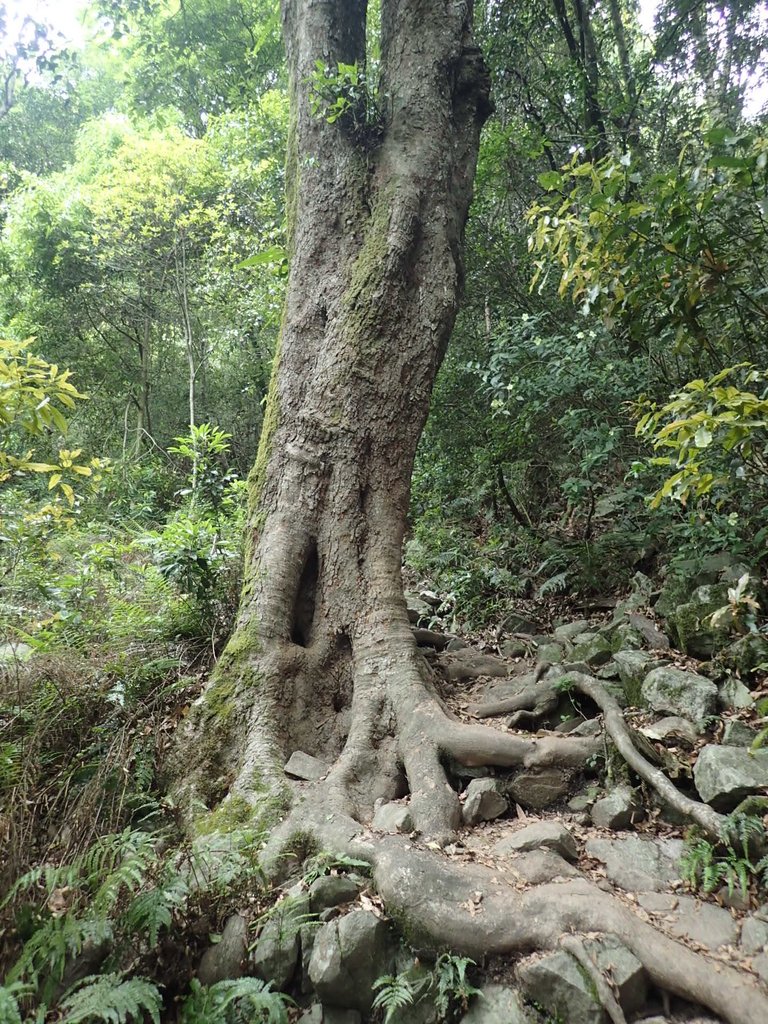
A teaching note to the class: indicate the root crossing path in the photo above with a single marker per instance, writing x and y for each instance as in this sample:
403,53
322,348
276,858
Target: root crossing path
534,878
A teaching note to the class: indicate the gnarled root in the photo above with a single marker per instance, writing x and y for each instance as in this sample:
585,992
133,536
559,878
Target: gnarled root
433,900
616,727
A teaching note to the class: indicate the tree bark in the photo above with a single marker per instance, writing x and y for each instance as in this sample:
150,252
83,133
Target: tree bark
322,658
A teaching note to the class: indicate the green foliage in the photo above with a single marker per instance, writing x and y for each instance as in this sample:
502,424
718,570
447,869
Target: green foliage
345,93
230,1001
446,985
451,982
676,257
111,999
323,863
393,993
736,862
10,1011
205,447
715,434
35,398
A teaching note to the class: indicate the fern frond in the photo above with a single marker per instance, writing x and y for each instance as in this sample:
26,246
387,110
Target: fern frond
113,1000
395,991
135,857
46,952
211,1005
452,983
10,1012
150,912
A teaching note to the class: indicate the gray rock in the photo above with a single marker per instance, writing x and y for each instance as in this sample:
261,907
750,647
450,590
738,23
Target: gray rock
514,648
734,694
349,954
746,654
314,1015
333,1015
548,835
14,654
638,865
725,775
754,935
307,933
539,789
680,693
594,652
760,965
393,817
634,666
618,809
430,638
318,1014
456,645
624,638
552,653
471,664
557,983
333,891
583,801
657,902
304,766
276,954
674,727
484,801
566,632
585,638
539,866
417,608
589,727
224,960
691,621
622,969
704,923
649,631
737,734
496,1004
516,623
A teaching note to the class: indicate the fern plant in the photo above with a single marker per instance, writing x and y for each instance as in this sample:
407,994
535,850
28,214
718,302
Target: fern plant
446,984
227,1001
323,863
10,1011
705,865
393,993
112,999
452,983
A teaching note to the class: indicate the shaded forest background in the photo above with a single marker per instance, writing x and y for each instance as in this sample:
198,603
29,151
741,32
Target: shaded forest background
602,411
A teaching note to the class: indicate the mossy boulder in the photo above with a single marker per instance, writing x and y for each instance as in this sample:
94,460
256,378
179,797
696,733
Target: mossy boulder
746,654
593,652
680,693
691,621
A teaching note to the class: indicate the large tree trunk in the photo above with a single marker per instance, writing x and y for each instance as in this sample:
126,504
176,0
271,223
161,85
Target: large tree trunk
322,658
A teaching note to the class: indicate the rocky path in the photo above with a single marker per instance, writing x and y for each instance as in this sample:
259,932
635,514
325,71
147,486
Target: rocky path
600,861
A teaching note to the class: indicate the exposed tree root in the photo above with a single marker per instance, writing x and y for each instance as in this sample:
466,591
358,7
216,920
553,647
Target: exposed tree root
432,898
543,695
533,702
575,946
399,740
702,814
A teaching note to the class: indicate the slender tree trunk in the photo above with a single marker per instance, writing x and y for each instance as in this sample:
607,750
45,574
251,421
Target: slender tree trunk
143,414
